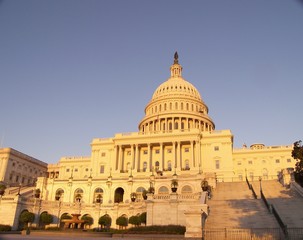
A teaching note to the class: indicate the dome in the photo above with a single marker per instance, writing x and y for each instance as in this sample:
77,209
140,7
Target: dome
176,105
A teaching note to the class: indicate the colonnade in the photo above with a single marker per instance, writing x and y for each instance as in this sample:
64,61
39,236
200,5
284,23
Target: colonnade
169,124
163,156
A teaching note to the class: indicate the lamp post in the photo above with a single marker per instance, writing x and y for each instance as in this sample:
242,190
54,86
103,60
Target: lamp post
58,198
260,179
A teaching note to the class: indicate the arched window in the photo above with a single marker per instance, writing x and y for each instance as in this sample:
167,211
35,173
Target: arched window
98,195
59,194
78,195
176,125
176,106
163,190
182,125
140,192
170,126
186,189
119,195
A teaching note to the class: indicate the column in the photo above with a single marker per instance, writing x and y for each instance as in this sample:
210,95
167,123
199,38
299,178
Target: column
175,156
192,160
137,160
178,154
132,152
117,156
148,158
161,158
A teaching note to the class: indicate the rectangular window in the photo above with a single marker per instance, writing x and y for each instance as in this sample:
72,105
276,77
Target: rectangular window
289,160
250,162
145,152
76,169
67,170
103,154
157,151
186,149
168,150
129,153
217,164
277,160
216,148
239,163
102,169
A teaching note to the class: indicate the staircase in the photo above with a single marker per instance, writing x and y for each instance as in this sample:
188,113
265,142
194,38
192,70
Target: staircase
287,202
233,206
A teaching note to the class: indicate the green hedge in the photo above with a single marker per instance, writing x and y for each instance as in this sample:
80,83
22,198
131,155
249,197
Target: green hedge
5,228
155,229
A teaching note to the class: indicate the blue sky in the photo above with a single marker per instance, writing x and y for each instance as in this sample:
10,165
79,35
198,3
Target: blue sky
72,70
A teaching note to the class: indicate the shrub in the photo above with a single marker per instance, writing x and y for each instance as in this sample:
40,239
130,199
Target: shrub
122,221
5,228
88,220
105,221
134,220
143,218
155,229
27,217
46,218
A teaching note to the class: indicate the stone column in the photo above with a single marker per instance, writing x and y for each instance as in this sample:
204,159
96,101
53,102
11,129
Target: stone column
192,150
161,165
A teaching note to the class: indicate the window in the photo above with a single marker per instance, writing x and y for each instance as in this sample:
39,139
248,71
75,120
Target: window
129,153
186,149
163,190
76,169
102,169
216,148
289,160
144,166
103,154
168,150
277,160
217,164
98,196
239,163
145,152
78,195
187,165
157,151
67,170
250,162
169,166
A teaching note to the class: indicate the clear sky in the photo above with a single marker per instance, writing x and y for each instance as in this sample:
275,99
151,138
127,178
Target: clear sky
72,70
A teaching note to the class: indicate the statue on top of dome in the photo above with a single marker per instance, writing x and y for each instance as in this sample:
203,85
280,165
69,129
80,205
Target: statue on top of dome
176,58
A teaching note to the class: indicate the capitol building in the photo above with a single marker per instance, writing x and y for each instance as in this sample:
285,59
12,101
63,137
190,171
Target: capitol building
158,170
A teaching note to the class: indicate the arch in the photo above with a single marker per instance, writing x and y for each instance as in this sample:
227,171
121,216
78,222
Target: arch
119,193
186,189
78,195
163,190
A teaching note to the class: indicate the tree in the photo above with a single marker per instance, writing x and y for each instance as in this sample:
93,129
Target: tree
297,153
134,220
88,220
122,221
26,217
2,189
105,221
46,218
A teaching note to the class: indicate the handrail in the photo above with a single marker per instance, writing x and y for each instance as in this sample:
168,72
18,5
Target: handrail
272,209
251,188
253,191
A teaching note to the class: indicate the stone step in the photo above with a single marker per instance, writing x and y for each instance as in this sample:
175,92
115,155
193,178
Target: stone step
233,206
